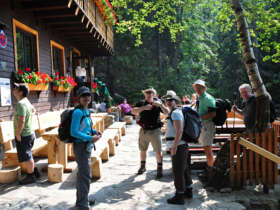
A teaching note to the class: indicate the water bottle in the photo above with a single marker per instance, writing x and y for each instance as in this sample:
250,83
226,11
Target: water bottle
90,145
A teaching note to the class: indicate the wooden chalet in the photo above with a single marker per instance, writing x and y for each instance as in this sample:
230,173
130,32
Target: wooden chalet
51,36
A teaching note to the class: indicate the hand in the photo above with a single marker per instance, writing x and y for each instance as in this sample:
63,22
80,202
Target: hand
157,103
173,150
18,138
95,138
98,133
234,108
148,107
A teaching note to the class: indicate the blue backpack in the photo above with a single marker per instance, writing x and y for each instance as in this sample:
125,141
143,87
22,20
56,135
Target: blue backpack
192,126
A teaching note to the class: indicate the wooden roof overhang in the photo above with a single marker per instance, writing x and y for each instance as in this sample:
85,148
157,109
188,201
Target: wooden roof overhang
68,18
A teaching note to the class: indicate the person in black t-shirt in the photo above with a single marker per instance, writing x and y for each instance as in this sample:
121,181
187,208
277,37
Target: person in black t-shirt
149,112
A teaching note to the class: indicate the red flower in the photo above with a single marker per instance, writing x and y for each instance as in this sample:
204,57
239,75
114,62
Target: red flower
94,85
61,82
38,73
57,73
20,72
27,69
29,76
61,77
44,81
39,81
56,78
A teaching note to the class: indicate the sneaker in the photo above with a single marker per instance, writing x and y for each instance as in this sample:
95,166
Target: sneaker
177,199
37,173
29,179
188,193
141,170
159,173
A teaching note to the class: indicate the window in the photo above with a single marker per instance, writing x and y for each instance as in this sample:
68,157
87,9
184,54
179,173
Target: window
26,47
57,56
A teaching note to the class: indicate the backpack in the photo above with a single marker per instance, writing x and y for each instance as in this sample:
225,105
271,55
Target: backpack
192,125
221,111
64,129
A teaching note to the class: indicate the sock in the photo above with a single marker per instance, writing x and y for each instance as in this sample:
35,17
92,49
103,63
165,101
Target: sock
159,165
180,193
143,163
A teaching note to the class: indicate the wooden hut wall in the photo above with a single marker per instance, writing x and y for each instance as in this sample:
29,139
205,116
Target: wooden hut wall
46,100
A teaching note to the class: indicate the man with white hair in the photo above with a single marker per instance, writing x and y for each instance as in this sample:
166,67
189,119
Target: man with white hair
207,111
249,110
149,112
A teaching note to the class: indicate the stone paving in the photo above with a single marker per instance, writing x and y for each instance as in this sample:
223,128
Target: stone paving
121,189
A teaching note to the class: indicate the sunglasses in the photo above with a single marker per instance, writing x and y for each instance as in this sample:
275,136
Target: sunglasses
169,100
149,92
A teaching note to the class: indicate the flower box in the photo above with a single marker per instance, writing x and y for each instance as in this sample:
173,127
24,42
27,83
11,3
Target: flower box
38,87
61,89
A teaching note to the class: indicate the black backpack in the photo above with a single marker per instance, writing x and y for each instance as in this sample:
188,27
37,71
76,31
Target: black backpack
221,111
65,126
192,125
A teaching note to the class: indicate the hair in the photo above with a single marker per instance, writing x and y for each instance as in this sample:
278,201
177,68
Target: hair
245,86
24,93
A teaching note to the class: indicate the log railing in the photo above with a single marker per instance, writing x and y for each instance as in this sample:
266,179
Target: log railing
254,159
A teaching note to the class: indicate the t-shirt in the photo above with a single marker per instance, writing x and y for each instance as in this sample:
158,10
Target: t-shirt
206,101
170,129
125,108
149,119
249,113
24,108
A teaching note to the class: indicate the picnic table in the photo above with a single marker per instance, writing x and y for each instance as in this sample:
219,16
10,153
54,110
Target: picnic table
103,116
58,151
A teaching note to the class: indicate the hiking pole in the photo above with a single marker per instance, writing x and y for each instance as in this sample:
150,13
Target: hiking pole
234,102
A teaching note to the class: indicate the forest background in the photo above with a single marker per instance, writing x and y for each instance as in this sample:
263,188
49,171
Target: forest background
170,44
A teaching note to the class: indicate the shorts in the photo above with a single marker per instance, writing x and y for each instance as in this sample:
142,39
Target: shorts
147,136
24,148
207,133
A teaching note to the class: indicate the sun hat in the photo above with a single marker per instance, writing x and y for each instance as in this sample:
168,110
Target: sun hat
170,94
149,90
199,82
83,91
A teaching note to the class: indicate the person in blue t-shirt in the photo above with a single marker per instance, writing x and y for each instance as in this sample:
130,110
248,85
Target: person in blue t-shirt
85,137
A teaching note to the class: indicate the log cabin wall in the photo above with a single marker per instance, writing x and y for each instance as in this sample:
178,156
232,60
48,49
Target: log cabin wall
47,100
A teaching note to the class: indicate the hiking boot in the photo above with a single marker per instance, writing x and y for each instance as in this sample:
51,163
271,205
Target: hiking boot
83,208
29,179
37,173
177,199
159,173
188,193
141,170
91,202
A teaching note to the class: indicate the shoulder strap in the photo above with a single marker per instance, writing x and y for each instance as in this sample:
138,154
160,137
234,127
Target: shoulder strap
169,116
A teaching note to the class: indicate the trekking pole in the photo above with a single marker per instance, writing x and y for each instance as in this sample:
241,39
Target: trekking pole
234,102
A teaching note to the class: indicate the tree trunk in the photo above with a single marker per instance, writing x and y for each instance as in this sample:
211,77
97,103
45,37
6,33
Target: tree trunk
263,109
159,55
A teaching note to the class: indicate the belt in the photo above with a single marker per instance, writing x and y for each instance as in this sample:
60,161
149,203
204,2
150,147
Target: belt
169,138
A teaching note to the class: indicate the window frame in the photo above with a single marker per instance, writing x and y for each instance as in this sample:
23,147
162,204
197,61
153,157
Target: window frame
60,47
23,27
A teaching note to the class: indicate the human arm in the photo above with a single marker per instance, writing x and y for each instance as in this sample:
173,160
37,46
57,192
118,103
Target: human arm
236,109
209,115
21,120
163,108
140,107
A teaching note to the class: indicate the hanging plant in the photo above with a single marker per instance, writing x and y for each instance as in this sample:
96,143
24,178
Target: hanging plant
107,12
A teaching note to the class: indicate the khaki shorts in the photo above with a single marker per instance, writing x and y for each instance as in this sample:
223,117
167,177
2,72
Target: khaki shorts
207,133
147,136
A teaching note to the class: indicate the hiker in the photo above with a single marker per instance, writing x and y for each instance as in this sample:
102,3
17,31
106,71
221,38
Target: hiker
149,112
85,137
207,111
186,100
179,150
125,107
24,135
249,110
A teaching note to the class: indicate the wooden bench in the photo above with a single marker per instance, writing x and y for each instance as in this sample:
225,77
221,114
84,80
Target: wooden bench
103,117
112,137
120,126
6,138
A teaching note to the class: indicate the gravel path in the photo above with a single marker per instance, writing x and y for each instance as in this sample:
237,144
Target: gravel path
121,189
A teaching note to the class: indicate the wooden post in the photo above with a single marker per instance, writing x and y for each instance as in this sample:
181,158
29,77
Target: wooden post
52,151
251,161
238,162
269,167
232,169
275,144
263,159
257,159
244,163
9,175
96,167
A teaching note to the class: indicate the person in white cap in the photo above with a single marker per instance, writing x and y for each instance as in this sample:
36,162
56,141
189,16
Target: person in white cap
207,111
149,112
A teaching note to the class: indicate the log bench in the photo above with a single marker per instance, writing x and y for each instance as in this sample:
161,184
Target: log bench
6,138
120,126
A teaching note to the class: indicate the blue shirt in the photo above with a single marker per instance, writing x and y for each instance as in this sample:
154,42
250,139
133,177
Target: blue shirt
82,131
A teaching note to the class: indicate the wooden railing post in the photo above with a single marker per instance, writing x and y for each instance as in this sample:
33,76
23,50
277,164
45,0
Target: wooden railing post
232,168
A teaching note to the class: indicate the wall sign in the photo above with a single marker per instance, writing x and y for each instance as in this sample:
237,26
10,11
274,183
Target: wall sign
5,92
3,39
